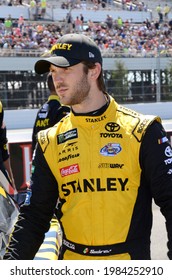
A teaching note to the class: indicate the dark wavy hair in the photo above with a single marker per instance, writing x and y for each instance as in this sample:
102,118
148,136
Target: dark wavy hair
100,80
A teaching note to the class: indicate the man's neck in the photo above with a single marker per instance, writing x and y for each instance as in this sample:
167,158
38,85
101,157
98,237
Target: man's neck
94,112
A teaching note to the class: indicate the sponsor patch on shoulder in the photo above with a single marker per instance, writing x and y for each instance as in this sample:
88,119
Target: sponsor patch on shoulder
42,136
163,140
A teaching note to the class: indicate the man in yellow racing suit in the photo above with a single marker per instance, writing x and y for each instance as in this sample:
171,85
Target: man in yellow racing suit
105,167
5,163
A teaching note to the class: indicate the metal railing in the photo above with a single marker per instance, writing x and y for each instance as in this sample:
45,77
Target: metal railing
32,96
112,53
25,89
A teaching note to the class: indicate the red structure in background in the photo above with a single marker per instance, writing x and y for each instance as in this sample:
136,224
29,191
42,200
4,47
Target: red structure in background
21,158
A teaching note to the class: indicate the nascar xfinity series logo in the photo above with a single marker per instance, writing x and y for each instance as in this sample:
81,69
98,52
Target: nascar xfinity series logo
111,149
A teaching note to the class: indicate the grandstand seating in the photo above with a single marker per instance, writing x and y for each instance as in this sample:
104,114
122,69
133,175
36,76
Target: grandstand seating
136,48
58,14
54,11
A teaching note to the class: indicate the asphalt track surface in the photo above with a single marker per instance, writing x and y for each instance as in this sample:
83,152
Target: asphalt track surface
159,235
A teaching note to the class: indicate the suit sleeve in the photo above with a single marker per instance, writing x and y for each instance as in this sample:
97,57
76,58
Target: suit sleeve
3,136
36,213
156,163
3,143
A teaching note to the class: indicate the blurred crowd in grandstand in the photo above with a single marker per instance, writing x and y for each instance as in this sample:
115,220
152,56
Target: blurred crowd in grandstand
79,4
113,36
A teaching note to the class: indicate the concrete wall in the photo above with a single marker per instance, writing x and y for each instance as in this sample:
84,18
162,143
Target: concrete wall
20,119
57,14
138,63
14,11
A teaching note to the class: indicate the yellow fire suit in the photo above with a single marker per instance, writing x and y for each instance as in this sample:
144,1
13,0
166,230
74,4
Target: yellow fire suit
104,169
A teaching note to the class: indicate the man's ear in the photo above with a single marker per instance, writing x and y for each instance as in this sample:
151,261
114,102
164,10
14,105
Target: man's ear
95,72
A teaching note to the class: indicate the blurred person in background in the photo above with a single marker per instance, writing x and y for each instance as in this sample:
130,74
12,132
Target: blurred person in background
5,164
